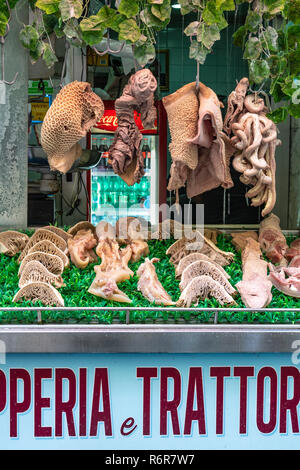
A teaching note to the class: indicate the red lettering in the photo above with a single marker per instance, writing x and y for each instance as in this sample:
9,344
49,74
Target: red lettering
220,373
61,406
41,402
266,427
101,382
169,405
146,373
289,403
2,391
16,406
82,401
195,384
243,373
128,423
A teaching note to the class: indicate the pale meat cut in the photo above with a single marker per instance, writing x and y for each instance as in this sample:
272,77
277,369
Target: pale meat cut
113,269
286,280
81,248
191,258
125,154
254,288
203,287
12,242
198,149
149,284
271,239
198,244
198,268
239,239
74,111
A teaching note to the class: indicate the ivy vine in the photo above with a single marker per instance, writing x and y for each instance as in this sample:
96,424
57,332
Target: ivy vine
269,38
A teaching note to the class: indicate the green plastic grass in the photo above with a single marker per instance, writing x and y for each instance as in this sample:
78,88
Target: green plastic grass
77,281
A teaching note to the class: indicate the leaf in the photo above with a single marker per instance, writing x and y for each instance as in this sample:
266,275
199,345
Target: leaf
3,23
258,70
270,38
144,54
292,11
273,7
50,22
162,12
253,20
278,115
129,31
49,56
276,91
70,9
277,65
225,5
192,28
293,35
211,15
49,6
29,37
294,110
294,62
152,21
36,53
72,32
210,35
239,36
158,2
186,7
92,30
198,52
128,8
253,48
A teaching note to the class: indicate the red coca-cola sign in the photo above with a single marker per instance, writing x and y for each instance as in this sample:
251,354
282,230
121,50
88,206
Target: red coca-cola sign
109,122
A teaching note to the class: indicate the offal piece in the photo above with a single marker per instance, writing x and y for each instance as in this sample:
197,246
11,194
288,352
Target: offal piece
286,280
271,239
52,263
125,154
40,235
149,284
239,238
198,268
212,168
191,258
113,269
81,248
83,225
199,244
203,287
74,111
235,104
293,250
255,287
12,242
48,247
108,290
182,111
34,271
132,231
41,291
59,231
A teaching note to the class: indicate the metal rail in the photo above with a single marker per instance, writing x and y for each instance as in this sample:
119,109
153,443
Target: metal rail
149,338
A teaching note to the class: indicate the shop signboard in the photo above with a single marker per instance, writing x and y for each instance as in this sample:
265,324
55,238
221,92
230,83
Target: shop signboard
150,401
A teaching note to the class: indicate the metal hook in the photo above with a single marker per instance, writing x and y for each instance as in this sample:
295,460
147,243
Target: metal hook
108,49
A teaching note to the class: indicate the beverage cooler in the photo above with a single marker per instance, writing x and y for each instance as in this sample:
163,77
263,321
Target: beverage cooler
109,196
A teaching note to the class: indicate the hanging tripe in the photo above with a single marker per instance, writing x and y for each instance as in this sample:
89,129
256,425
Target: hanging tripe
125,154
200,159
74,111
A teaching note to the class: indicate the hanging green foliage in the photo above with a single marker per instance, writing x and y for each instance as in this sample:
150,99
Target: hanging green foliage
269,37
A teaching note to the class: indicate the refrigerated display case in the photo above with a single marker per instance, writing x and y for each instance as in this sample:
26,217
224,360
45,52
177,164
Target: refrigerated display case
110,196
